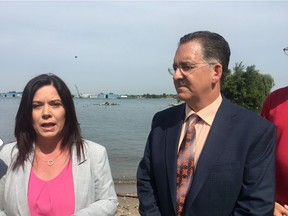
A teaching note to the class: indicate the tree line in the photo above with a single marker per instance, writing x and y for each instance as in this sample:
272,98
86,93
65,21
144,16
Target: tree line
247,87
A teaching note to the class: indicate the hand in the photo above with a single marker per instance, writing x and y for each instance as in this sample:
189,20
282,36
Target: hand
280,210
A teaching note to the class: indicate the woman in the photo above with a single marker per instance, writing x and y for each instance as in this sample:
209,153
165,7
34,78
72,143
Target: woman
51,170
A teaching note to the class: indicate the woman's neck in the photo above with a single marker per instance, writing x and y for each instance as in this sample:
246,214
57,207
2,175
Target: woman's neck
47,146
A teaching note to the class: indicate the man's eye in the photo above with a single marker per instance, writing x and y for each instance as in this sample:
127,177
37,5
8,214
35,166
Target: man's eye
186,67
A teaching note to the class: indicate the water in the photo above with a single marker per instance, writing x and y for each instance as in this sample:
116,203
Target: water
122,129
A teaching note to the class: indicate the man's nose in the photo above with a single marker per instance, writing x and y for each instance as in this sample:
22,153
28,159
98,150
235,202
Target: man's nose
178,74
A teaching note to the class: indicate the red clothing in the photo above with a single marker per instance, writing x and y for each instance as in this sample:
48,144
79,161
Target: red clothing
275,109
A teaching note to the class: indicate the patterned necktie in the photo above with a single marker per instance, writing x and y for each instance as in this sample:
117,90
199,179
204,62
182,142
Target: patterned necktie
185,164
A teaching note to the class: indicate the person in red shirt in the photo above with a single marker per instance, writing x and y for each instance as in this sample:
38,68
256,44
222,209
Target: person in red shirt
275,109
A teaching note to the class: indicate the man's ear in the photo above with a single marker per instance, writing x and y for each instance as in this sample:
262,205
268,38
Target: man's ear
217,73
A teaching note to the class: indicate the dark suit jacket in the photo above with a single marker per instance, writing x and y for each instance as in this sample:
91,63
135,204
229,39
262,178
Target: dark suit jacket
235,172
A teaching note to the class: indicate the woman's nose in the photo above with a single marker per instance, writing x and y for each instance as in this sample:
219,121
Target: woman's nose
46,112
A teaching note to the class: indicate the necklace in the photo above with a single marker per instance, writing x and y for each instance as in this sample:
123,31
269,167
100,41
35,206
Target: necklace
50,162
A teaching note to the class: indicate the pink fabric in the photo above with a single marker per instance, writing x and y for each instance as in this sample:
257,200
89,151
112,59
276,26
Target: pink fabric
54,197
275,109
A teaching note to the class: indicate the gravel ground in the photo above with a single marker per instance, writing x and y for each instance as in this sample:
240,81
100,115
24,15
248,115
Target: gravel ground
127,206
128,200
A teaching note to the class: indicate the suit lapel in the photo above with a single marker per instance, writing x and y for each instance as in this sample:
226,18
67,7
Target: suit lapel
80,172
171,148
214,145
22,184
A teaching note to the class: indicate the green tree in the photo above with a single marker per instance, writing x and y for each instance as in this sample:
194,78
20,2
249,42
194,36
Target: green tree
247,87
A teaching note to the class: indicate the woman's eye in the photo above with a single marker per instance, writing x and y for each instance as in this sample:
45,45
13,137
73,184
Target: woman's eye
35,106
56,104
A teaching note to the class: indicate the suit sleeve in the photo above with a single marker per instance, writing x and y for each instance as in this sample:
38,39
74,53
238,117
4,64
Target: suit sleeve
257,194
146,185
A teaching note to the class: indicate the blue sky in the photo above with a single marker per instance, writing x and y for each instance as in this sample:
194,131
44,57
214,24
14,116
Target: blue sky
126,47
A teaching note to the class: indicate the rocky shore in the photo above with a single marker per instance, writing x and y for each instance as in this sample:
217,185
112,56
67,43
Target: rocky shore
127,206
128,200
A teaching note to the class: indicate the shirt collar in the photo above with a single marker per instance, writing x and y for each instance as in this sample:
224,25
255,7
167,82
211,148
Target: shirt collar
208,113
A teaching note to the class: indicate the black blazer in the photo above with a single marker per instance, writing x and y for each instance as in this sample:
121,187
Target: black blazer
235,171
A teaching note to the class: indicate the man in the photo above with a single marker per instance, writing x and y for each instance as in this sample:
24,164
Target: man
275,109
233,151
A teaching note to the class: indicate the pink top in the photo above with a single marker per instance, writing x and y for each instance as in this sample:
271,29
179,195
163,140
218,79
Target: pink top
54,197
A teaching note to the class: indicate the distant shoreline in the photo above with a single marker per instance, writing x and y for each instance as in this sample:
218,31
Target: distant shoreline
14,94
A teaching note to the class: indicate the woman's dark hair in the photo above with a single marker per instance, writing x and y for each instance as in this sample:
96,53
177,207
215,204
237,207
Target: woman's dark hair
24,131
214,47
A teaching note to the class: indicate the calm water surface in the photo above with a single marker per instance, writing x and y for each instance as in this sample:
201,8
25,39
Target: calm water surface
122,128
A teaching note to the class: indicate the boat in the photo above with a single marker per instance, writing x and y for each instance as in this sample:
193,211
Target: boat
176,104
107,104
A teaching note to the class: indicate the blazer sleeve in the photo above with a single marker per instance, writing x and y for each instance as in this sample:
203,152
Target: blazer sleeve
105,198
258,190
5,162
3,169
146,185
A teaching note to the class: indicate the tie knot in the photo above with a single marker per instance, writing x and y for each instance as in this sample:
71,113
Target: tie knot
193,119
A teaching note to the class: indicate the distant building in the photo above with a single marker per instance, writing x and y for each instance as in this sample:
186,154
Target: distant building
11,94
108,96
